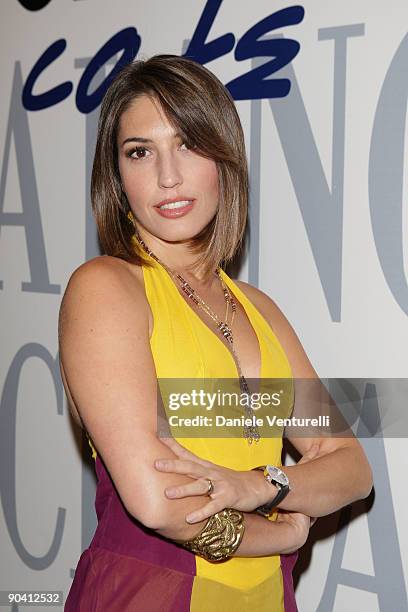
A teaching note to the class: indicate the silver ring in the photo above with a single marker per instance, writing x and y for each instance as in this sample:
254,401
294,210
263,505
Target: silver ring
210,487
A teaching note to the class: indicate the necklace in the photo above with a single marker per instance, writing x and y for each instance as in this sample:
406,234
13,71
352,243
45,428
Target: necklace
251,432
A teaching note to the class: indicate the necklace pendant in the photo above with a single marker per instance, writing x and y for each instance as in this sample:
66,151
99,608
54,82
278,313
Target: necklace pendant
251,434
225,330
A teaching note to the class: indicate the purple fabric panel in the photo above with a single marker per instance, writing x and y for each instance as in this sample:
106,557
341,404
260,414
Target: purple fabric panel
119,532
288,562
128,567
108,582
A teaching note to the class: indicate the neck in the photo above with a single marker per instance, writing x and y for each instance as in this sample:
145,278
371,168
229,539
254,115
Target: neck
171,255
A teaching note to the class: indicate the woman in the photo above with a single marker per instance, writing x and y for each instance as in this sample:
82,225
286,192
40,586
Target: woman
169,194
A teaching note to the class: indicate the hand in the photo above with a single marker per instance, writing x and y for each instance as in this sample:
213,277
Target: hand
312,453
232,488
299,524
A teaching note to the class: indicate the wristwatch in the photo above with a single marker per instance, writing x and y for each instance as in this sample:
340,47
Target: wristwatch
277,477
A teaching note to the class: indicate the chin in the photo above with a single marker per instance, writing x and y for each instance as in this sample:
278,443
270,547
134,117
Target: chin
176,231
178,236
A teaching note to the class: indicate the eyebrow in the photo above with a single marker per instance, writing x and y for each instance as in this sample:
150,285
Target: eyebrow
136,139
146,140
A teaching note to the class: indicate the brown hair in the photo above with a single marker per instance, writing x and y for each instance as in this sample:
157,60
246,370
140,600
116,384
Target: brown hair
198,105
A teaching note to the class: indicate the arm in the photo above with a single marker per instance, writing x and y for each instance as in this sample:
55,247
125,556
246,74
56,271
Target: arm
104,346
263,537
340,474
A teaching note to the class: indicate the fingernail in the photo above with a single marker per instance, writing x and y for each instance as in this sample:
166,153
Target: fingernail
160,464
170,493
190,518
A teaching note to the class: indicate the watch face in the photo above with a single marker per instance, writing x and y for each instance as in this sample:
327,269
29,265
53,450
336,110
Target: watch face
276,474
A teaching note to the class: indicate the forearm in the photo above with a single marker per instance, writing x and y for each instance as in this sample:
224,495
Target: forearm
166,516
261,536
329,482
265,537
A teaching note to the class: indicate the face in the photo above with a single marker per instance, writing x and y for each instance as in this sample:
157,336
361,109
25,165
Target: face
171,189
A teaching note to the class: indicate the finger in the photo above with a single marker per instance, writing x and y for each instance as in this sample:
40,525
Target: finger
205,512
182,452
179,466
198,487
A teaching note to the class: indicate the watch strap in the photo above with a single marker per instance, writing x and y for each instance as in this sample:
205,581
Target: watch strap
266,509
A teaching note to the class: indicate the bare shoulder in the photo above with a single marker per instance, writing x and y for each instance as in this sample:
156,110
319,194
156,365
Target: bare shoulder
265,304
104,301
282,328
104,269
104,281
104,289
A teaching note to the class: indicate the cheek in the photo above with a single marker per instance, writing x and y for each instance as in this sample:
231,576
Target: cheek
133,185
209,178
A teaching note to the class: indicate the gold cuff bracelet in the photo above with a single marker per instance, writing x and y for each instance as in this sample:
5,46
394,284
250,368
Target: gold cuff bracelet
220,536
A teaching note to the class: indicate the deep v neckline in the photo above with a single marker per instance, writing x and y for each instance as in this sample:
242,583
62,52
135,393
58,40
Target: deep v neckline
212,332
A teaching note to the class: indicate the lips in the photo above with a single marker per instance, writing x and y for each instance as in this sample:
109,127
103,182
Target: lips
181,199
174,208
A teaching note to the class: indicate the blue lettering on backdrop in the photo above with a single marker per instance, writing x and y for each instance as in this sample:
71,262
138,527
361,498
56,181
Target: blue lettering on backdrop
249,86
283,50
204,52
127,40
34,5
52,96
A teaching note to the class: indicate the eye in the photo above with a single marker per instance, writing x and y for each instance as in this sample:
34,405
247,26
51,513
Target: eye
187,146
137,153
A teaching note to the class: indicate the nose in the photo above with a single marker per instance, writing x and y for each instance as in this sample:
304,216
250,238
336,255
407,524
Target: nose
169,171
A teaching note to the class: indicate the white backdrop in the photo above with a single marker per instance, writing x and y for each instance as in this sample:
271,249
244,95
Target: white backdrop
328,244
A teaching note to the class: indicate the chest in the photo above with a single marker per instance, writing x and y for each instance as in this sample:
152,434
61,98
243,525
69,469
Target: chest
187,343
242,347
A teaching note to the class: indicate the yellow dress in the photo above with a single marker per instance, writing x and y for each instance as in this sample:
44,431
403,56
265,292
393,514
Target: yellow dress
184,347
